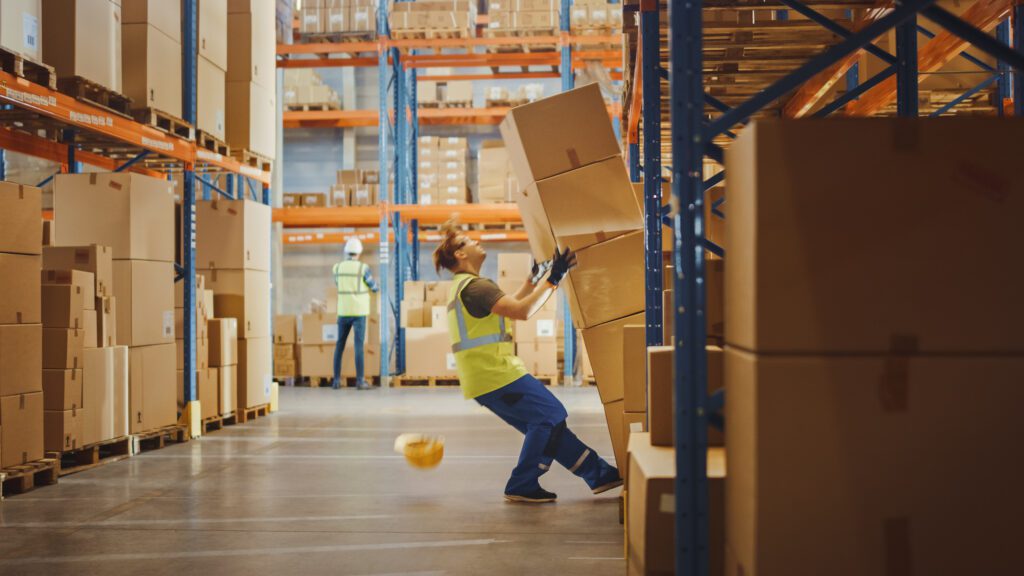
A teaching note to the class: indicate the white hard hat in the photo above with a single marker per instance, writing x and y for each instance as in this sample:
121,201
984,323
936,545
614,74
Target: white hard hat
354,246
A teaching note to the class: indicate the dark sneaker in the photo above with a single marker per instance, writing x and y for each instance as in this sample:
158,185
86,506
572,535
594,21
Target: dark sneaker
538,496
362,385
609,479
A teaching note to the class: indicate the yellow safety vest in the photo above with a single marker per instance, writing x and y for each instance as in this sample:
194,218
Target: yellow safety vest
353,293
485,354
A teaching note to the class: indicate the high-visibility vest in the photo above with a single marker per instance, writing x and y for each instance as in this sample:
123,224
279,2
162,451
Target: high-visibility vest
353,293
485,354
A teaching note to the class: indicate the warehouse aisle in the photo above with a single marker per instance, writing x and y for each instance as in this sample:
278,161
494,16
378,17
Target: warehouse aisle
317,489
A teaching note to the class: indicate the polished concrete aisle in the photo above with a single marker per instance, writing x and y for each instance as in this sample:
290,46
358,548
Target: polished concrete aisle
317,489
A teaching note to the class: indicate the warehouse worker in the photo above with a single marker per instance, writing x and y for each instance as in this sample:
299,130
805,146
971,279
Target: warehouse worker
490,373
354,282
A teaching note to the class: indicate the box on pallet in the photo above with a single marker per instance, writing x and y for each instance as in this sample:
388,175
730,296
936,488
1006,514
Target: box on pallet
145,295
83,38
21,358
250,118
254,372
232,234
19,291
20,220
212,94
151,61
152,387
285,329
245,295
19,27
21,429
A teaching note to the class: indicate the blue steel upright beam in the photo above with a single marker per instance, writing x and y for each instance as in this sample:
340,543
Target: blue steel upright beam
189,56
568,83
686,93
385,185
635,174
564,16
650,38
1003,91
1018,45
414,175
906,68
401,192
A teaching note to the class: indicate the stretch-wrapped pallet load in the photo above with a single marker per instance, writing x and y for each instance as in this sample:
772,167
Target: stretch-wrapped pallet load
286,338
251,77
304,89
425,320
496,181
448,18
873,359
595,15
508,16
442,170
338,17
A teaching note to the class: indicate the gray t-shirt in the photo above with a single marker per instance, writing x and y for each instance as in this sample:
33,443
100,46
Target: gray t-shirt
480,296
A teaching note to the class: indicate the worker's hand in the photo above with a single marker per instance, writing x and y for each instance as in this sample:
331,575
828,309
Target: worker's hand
561,263
538,270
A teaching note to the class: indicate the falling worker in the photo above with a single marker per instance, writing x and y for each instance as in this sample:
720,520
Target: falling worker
355,282
490,372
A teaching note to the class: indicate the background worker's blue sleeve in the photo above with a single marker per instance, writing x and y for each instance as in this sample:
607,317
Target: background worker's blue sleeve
368,278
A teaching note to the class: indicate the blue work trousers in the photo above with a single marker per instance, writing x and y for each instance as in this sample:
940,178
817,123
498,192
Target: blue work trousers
528,406
345,325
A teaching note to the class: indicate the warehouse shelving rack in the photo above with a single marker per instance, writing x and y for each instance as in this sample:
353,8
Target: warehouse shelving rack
690,55
397,211
90,134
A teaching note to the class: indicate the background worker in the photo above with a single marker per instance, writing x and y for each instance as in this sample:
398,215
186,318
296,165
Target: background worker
490,372
355,282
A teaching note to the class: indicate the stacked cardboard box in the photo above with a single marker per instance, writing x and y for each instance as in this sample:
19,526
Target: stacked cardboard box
286,338
203,313
251,77
338,16
151,54
223,366
455,17
134,216
319,337
354,188
425,320
212,68
21,397
496,182
233,251
577,194
304,89
866,347
82,38
20,30
595,15
519,15
442,170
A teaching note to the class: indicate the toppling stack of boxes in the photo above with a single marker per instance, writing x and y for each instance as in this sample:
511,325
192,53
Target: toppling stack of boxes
521,15
537,338
442,170
565,154
445,94
453,18
233,253
286,353
338,17
251,77
496,182
355,188
885,349
597,15
222,396
425,320
134,216
304,89
21,388
203,314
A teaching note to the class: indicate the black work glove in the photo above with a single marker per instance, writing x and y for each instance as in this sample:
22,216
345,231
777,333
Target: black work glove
561,263
538,270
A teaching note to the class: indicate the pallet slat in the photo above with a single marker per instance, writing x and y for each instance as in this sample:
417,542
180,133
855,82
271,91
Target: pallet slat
87,457
165,122
96,94
159,438
24,478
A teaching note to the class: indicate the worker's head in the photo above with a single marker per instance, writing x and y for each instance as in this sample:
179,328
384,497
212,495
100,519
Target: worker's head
457,251
353,247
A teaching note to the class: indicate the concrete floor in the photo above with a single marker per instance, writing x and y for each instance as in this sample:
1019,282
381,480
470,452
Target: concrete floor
317,489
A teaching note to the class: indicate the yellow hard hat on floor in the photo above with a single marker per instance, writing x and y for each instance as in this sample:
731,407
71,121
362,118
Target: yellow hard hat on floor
420,450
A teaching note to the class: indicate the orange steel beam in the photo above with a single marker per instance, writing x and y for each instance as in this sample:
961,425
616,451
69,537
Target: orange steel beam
939,51
317,238
808,96
368,216
328,63
635,102
439,43
427,116
56,152
328,48
498,76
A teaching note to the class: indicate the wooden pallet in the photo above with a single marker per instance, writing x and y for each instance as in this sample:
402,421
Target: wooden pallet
521,33
88,91
430,34
338,37
504,103
87,457
589,381
252,159
23,478
212,143
23,67
253,413
287,380
424,381
159,438
165,122
313,106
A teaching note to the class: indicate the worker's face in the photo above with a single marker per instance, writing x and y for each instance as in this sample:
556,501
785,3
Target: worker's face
473,250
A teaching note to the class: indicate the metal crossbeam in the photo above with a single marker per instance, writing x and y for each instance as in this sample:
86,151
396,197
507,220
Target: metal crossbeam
855,93
952,104
983,41
965,54
835,28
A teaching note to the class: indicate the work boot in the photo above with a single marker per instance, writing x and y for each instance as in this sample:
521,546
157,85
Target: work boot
538,496
362,385
608,480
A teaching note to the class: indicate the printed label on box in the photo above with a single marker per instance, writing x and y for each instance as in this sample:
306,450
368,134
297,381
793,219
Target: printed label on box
667,505
168,328
450,361
545,327
636,426
30,29
329,332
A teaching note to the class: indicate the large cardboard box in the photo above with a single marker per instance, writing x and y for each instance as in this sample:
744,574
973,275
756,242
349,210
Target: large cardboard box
541,327
21,358
97,260
131,213
250,118
62,348
608,283
319,328
604,347
252,312
152,382
208,388
151,61
317,360
84,284
62,390
614,416
251,46
98,395
428,353
106,317
213,32
232,234
818,269
285,329
162,15
83,38
661,392
254,372
371,358
540,358
145,298
558,134
63,306
21,429
227,386
21,221
121,385
223,342
844,462
62,430
212,97
19,27
20,289
634,367
579,208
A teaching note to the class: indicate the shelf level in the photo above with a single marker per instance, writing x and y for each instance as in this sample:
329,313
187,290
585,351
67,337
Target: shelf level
427,117
370,216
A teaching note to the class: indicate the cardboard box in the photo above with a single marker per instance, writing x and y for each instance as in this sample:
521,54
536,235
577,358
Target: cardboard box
579,208
428,353
632,423
21,429
250,311
202,354
19,291
152,382
213,32
145,297
250,120
614,416
540,328
21,358
821,270
98,393
232,234
21,221
871,479
652,507
83,38
284,352
604,347
119,403
661,392
634,367
106,310
83,282
319,328
62,348
254,372
97,260
286,368
19,27
608,283
558,134
540,358
131,213
91,328
312,20
285,329
227,388
62,390
62,430
151,61
371,356
252,46
223,342
162,15
212,95
63,306
317,360
208,391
